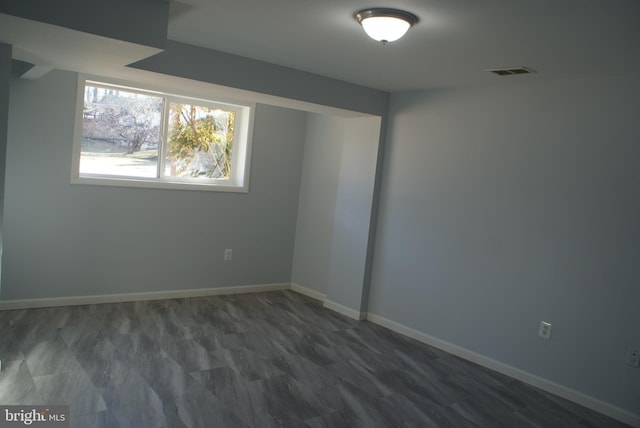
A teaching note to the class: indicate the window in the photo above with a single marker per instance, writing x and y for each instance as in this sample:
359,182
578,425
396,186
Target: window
138,137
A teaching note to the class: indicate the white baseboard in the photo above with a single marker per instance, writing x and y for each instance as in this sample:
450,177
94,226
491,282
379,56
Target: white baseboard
308,292
132,297
337,307
351,313
526,377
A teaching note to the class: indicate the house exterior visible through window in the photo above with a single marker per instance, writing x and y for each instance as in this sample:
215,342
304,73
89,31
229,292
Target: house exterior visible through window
136,137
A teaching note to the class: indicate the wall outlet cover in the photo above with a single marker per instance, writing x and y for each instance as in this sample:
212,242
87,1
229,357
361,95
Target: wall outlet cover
633,357
545,330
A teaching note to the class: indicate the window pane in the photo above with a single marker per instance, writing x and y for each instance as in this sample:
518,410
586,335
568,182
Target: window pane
200,142
120,133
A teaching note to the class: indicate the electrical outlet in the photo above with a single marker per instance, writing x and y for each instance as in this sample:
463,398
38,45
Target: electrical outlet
545,330
228,254
633,357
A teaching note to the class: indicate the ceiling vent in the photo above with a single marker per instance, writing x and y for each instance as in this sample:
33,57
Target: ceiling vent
511,71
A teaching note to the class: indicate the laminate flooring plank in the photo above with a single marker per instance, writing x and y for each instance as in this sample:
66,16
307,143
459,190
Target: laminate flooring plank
275,359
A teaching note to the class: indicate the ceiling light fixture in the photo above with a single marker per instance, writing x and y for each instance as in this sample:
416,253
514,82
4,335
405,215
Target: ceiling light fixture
385,25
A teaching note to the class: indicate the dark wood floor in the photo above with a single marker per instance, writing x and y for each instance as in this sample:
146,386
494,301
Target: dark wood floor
254,360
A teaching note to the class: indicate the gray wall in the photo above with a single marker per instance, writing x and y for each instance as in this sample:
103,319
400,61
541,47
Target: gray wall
5,80
352,214
221,68
335,205
142,22
74,240
502,206
317,202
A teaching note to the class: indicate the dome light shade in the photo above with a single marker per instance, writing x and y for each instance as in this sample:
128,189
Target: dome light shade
385,25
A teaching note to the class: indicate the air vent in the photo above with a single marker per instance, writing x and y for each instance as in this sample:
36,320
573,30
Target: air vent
511,71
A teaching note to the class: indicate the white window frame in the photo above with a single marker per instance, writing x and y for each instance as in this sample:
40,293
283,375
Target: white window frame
238,180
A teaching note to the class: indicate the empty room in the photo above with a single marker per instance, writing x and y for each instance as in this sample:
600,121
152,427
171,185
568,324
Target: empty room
319,214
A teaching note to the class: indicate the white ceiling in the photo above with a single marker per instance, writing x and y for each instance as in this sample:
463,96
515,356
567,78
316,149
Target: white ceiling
452,45
454,42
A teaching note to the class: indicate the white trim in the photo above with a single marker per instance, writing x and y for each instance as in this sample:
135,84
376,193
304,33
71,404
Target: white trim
529,378
308,292
351,313
329,304
156,183
132,297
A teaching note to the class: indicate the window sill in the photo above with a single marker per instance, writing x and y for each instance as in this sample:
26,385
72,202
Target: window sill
160,184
